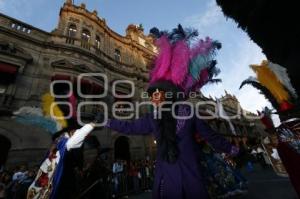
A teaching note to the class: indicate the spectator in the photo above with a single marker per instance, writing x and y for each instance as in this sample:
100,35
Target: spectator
260,157
254,153
2,190
23,184
117,170
20,173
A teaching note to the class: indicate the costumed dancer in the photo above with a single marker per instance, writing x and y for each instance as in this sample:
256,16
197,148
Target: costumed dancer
179,68
56,177
270,142
222,179
273,81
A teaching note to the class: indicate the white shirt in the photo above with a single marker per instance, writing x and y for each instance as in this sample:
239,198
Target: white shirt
260,150
253,151
117,167
18,175
78,137
275,154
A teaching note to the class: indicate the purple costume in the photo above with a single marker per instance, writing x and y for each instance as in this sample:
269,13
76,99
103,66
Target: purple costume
182,179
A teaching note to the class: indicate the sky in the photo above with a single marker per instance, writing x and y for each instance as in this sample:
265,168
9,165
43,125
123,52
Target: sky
237,52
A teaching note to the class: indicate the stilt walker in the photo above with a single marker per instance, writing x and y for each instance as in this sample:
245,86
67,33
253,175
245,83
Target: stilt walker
180,67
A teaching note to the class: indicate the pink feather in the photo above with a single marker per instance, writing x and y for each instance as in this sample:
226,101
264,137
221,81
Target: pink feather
180,61
188,83
168,75
191,84
163,60
204,76
201,47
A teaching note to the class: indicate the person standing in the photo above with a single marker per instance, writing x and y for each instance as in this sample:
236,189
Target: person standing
56,176
117,170
261,157
2,190
177,72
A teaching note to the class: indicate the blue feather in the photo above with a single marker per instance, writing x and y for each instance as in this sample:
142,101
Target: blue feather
217,45
42,122
182,34
157,33
213,70
198,64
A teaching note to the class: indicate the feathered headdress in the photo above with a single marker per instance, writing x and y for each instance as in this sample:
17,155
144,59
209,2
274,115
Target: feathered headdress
266,118
263,90
51,116
273,82
49,103
185,64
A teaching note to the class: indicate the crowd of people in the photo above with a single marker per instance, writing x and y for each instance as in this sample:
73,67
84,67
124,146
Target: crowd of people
100,178
132,177
14,183
118,179
121,178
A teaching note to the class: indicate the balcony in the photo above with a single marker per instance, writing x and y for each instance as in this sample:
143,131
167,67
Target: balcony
20,27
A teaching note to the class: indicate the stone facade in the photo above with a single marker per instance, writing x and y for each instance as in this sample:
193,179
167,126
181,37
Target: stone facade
31,58
81,43
245,125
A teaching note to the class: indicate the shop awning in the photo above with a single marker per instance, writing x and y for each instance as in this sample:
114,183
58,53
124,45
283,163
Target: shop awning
8,68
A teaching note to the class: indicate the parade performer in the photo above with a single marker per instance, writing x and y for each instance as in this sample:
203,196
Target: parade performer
221,176
56,176
270,143
273,81
179,68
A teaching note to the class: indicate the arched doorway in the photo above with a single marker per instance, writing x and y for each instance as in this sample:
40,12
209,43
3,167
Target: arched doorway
5,145
122,150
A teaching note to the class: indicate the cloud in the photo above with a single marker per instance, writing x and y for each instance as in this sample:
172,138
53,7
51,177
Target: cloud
237,53
32,12
20,9
2,5
209,18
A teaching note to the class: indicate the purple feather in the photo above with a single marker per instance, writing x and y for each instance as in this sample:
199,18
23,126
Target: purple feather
201,47
188,83
191,84
204,77
180,61
162,62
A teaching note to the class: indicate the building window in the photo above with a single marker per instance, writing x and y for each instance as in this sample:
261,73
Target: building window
97,42
20,28
85,39
71,34
8,73
117,55
72,30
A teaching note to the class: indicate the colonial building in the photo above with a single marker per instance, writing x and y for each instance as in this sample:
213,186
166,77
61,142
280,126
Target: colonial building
30,59
244,126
